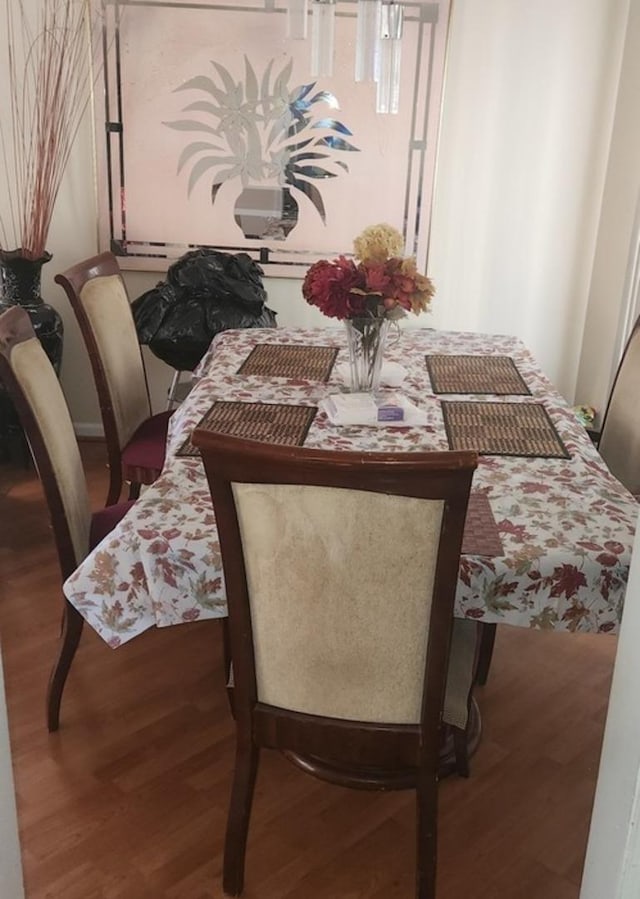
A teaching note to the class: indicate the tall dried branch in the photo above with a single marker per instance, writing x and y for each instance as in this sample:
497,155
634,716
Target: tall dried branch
48,72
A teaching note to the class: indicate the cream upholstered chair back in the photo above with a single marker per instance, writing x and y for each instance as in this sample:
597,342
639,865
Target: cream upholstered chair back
341,571
136,439
108,312
333,561
34,388
98,296
340,587
619,442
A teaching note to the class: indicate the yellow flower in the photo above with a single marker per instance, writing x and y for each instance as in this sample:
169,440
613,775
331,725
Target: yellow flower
423,293
377,243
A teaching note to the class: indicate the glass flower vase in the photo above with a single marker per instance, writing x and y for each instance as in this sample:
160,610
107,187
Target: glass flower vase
366,339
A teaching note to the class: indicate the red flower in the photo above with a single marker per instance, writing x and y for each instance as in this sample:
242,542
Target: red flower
374,288
401,286
328,285
376,278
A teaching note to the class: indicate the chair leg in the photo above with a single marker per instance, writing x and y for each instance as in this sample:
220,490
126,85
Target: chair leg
228,665
461,751
72,623
244,779
485,653
426,837
134,490
115,486
27,460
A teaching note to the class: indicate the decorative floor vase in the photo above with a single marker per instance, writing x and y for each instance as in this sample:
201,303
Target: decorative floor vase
20,279
366,340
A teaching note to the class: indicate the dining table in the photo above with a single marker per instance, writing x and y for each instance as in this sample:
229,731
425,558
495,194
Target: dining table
548,544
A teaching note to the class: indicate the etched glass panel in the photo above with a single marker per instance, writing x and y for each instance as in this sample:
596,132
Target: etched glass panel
203,144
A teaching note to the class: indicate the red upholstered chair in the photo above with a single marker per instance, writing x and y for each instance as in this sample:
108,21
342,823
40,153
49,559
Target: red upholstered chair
136,439
341,571
29,378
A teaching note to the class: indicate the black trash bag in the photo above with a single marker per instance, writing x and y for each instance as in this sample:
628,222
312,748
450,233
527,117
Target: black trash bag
206,292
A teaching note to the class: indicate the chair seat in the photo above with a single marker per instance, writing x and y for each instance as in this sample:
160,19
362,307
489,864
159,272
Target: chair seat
143,456
104,520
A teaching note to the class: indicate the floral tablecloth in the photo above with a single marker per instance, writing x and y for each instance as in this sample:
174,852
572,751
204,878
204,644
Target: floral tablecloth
566,525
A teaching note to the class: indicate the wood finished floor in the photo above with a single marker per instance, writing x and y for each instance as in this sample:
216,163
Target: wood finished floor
128,800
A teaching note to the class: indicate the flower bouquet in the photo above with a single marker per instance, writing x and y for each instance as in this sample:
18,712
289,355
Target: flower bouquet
377,287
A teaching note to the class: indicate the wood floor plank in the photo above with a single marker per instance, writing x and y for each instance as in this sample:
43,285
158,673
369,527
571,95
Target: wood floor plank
128,800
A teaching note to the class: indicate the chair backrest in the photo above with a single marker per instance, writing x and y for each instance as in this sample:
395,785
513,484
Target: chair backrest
99,299
619,442
340,572
33,387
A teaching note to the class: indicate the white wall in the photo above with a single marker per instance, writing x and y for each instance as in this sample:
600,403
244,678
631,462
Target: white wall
73,236
528,108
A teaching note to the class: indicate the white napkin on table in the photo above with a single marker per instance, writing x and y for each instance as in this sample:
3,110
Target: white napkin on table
392,374
365,409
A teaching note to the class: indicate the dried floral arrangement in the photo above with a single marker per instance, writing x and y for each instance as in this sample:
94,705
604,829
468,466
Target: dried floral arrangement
46,66
379,283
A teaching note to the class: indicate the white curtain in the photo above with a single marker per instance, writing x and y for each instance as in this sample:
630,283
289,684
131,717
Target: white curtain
527,118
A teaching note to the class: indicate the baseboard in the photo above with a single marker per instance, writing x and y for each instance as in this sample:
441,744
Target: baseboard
88,429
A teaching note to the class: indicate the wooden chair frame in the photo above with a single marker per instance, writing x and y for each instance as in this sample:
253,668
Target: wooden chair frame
12,332
597,435
16,328
364,755
73,280
600,438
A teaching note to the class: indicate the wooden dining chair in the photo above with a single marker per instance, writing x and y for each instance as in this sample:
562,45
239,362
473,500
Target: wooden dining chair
619,438
136,439
340,571
33,386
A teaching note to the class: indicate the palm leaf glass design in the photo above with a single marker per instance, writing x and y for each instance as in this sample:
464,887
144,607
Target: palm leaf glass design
259,129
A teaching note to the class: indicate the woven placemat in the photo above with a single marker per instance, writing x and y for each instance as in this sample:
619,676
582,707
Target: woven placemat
481,535
273,360
267,422
502,429
475,374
